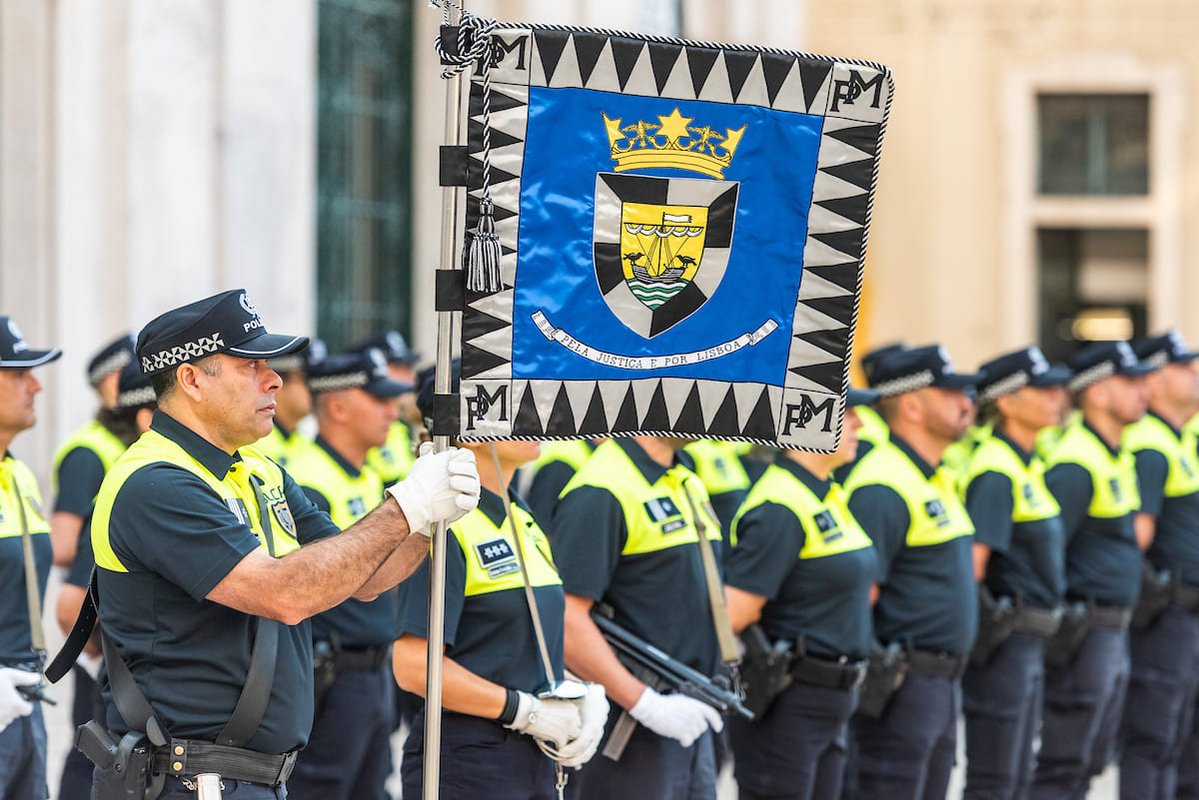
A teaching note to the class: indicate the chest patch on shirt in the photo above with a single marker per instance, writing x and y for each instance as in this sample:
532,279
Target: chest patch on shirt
662,508
826,523
936,511
239,509
357,506
496,556
1114,483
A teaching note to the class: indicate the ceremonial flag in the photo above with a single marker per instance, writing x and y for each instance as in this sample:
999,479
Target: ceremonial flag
682,229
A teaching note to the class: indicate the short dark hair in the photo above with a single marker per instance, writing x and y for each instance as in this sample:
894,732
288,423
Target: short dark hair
164,383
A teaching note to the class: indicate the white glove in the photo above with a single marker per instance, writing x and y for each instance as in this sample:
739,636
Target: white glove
12,704
557,721
675,716
440,486
594,714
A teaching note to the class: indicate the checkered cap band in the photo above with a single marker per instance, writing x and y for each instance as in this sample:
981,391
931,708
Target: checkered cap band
334,383
908,383
189,351
141,396
114,363
1092,375
1012,383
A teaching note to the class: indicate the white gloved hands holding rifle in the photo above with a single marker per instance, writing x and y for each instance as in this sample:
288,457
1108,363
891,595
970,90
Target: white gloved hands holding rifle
594,714
440,486
675,716
552,719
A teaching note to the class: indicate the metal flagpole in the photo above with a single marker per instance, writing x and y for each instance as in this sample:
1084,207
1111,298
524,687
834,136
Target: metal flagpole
443,385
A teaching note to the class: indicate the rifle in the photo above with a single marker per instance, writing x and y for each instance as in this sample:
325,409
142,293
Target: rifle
658,670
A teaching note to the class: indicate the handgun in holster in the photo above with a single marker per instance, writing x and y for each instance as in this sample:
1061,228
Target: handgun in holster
886,671
1157,589
996,623
123,767
324,670
1076,624
765,668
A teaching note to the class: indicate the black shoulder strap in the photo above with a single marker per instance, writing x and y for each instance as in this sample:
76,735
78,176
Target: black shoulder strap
81,631
256,693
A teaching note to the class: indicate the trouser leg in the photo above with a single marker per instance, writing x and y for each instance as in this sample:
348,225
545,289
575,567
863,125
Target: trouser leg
894,753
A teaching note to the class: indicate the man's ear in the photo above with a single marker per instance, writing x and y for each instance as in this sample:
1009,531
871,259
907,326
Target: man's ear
187,380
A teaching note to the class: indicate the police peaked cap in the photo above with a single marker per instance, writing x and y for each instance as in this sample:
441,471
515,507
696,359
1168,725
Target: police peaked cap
1168,348
1100,360
112,358
366,370
224,323
15,353
871,358
316,352
860,397
393,345
910,369
133,388
1011,372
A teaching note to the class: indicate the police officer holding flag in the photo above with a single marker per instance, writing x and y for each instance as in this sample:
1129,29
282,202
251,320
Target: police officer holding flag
210,561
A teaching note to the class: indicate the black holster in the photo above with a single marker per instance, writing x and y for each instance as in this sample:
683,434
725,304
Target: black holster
996,623
324,671
1157,589
885,673
765,669
1063,645
124,767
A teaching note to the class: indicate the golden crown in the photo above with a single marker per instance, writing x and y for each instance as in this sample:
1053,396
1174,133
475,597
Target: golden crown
674,142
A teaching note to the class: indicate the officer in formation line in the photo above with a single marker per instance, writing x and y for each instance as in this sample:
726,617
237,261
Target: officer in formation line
548,475
626,535
394,457
1019,562
348,754
197,528
501,706
293,402
927,603
25,557
1094,480
1165,631
800,571
77,470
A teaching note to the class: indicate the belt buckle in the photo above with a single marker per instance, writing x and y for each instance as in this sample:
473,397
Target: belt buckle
285,768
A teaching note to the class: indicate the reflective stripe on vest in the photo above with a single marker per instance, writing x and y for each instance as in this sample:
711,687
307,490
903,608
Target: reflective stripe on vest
1031,499
491,560
94,437
658,516
828,526
235,493
935,511
14,474
1114,491
350,498
1152,433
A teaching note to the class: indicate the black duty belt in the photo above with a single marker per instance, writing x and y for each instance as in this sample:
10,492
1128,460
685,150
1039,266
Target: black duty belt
186,758
936,664
360,658
1041,622
1185,596
1110,616
838,674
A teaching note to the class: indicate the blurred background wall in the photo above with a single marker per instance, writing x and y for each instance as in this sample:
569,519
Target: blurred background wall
1038,179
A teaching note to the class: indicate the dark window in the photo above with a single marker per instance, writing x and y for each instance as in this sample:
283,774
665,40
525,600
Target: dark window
1093,144
363,168
1094,284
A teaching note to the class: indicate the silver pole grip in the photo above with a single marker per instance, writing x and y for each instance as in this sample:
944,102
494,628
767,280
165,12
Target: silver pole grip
208,786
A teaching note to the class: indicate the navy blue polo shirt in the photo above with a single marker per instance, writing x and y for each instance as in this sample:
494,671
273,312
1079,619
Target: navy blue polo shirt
80,474
1027,557
354,623
825,600
1176,539
1103,562
189,655
928,596
489,633
660,595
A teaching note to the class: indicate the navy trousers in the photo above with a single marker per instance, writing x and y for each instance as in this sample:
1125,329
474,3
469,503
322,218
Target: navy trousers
1084,702
348,756
796,750
76,781
479,759
652,766
23,758
1002,702
1161,702
909,753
